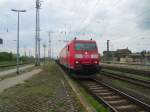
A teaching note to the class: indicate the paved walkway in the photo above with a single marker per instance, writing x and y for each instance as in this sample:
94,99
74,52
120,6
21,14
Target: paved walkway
10,82
7,72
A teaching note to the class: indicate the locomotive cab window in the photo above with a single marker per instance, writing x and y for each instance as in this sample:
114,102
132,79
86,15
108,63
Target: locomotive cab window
85,46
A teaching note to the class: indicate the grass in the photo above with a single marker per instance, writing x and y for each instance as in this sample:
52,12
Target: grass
7,62
93,102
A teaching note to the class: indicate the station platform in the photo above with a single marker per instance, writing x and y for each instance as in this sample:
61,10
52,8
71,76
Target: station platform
127,66
43,89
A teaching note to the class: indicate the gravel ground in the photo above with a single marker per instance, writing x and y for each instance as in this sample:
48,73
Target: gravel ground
45,92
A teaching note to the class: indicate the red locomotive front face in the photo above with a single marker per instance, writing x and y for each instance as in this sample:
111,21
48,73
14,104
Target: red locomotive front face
86,55
80,55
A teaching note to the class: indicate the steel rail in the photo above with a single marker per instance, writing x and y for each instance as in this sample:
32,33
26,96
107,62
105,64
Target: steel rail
135,81
113,108
128,70
10,65
133,99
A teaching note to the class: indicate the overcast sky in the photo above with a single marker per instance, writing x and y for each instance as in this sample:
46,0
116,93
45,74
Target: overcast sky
126,23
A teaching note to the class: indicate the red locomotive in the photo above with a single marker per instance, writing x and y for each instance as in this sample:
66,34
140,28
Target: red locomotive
80,55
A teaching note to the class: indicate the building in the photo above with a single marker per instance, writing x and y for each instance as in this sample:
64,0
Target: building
126,56
116,55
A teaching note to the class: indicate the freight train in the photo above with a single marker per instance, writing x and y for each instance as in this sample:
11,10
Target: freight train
80,55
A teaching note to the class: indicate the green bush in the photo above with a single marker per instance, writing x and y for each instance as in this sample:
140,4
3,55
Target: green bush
5,56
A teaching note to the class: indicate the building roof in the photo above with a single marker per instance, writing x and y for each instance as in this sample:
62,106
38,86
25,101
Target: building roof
124,51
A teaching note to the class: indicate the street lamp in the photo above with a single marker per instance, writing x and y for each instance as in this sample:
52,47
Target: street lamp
18,11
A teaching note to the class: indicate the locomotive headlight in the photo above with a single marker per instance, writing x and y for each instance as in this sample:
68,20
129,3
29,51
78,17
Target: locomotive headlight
94,56
77,56
77,62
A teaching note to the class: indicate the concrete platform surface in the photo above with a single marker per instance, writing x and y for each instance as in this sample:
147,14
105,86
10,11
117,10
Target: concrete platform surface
10,82
10,71
136,67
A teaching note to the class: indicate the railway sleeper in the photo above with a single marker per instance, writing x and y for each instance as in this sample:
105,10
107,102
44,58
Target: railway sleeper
93,85
123,105
100,90
96,88
128,108
119,101
119,104
112,98
105,94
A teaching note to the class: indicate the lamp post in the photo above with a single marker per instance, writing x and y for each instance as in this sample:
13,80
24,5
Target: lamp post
18,11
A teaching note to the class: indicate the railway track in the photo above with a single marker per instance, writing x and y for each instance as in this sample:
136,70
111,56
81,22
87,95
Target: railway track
129,79
144,73
112,98
11,65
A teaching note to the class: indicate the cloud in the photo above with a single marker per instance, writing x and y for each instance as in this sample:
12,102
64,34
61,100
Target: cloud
142,11
123,22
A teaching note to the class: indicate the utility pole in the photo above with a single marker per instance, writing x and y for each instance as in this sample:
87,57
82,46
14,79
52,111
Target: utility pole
44,46
18,11
39,51
67,32
50,45
49,50
25,53
29,53
108,53
108,45
37,34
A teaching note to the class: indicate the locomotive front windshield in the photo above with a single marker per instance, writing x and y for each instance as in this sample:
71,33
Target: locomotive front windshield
85,46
